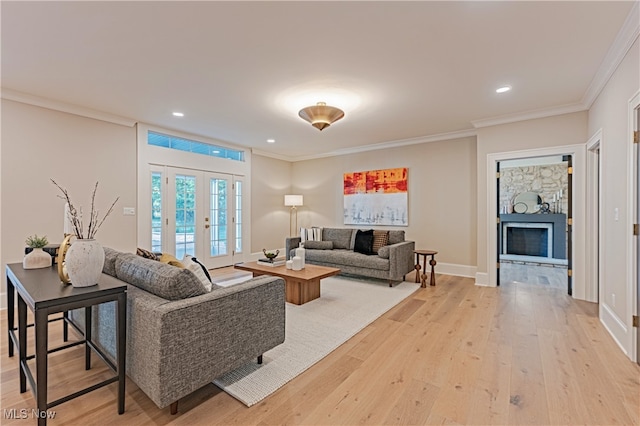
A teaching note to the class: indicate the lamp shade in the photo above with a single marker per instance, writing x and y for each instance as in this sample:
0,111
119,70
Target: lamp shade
321,115
293,200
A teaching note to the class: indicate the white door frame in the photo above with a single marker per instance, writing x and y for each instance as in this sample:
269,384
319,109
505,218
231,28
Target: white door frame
578,195
594,274
632,241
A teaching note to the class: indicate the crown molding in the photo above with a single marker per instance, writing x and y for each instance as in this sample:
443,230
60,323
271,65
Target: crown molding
392,144
614,57
530,115
26,98
272,155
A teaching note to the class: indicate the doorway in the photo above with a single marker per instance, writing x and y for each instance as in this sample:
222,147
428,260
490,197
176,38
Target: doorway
198,213
533,232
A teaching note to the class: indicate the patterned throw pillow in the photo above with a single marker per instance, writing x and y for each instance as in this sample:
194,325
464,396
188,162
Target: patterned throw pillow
380,239
146,254
189,263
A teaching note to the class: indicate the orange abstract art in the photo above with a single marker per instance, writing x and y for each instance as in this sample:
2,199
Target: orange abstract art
376,181
376,197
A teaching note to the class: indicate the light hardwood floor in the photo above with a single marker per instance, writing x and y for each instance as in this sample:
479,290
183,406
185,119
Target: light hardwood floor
451,354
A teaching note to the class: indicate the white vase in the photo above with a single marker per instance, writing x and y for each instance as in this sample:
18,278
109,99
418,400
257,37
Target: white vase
37,258
300,252
84,261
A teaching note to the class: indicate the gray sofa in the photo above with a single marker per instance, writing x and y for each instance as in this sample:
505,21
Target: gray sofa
185,339
336,249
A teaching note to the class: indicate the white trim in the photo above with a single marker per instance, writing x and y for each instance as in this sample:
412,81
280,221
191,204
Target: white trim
614,57
456,270
632,216
530,115
26,98
594,275
392,144
482,279
609,320
578,267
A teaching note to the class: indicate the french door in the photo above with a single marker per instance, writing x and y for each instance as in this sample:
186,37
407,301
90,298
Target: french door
203,215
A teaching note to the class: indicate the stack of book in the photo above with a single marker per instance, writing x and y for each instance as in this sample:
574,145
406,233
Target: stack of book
272,262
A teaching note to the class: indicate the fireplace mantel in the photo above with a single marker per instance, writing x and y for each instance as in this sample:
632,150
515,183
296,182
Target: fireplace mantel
558,221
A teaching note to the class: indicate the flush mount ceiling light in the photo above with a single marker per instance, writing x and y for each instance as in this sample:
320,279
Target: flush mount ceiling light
178,114
503,89
321,115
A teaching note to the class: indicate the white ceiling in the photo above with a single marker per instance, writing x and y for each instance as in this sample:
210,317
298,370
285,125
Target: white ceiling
240,70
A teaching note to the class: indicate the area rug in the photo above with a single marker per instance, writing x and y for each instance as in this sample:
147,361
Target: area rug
313,330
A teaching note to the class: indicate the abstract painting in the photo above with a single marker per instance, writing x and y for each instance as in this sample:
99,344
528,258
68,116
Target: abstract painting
376,197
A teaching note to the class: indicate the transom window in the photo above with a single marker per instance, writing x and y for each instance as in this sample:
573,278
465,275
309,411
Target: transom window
180,144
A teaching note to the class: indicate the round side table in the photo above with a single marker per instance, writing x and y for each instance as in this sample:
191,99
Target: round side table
432,262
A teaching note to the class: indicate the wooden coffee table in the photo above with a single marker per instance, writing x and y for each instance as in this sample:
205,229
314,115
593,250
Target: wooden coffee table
300,286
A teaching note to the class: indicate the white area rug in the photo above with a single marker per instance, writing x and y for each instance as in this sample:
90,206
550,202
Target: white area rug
313,330
233,278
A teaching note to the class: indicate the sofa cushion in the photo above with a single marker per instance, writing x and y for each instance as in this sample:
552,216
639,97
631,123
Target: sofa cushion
343,257
341,237
110,256
158,278
396,237
380,239
364,242
319,245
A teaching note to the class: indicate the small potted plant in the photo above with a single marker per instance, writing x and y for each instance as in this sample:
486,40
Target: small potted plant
36,258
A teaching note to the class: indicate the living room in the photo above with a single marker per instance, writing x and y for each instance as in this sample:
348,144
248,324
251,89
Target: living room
450,177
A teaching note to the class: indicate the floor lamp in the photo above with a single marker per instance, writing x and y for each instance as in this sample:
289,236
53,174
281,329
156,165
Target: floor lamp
293,201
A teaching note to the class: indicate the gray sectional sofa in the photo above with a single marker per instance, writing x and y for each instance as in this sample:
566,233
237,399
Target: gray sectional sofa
183,337
392,262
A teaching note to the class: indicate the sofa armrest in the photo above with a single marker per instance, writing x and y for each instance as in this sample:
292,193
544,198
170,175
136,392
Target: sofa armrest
401,259
179,346
291,243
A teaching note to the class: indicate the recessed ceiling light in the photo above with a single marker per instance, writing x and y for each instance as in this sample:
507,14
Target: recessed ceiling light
178,114
503,89
271,141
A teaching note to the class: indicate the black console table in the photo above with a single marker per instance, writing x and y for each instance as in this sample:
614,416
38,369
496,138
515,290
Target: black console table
42,291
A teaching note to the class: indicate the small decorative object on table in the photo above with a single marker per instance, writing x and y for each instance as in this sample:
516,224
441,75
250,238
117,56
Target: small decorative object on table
271,259
36,258
81,262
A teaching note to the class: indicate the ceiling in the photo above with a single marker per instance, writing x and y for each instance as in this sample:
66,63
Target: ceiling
240,71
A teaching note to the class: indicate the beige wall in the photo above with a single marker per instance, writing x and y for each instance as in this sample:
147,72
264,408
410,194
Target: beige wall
39,144
270,181
567,129
442,199
610,112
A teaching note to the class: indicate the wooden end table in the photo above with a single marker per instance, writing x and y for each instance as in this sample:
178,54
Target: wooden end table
41,291
300,286
432,262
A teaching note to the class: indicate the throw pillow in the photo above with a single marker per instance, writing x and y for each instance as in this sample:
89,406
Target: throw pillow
364,242
171,260
319,245
204,268
380,239
195,267
146,254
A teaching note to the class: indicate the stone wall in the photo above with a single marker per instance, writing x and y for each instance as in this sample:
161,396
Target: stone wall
545,180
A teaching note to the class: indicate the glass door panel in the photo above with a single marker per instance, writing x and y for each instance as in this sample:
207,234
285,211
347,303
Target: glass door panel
218,221
185,218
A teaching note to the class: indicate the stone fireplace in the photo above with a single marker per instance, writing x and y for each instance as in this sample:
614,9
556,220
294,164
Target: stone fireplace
527,239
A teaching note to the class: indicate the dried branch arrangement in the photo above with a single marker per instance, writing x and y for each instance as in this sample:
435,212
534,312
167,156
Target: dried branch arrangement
75,215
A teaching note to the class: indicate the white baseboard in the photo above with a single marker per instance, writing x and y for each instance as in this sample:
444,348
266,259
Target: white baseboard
482,278
454,269
615,326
